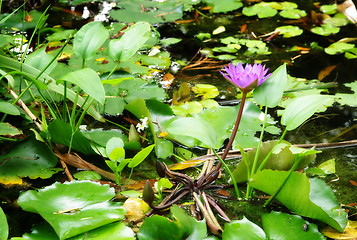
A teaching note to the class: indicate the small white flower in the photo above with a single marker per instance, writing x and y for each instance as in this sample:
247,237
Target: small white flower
142,125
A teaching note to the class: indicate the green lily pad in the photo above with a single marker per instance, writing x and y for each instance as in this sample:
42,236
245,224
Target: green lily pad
29,158
289,31
325,30
292,13
223,5
73,207
262,9
112,231
87,175
306,197
148,11
187,108
242,230
338,47
161,228
278,225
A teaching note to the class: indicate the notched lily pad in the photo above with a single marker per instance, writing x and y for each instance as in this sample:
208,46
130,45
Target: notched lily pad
73,207
29,158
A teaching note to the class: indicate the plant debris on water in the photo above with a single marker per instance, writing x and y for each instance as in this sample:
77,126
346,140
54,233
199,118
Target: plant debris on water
118,122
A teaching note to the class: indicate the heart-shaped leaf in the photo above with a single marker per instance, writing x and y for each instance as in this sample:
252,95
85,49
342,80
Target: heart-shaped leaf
73,207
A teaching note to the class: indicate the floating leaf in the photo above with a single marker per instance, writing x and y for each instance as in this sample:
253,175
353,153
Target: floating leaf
262,9
289,31
187,108
339,47
87,175
223,5
314,199
148,11
29,158
192,229
278,225
292,13
159,228
73,207
242,230
205,91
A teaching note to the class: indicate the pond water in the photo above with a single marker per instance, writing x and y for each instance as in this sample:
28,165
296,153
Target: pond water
338,123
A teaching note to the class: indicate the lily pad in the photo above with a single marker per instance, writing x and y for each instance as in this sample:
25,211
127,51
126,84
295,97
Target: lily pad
73,207
29,158
148,11
289,31
313,199
161,228
223,5
278,225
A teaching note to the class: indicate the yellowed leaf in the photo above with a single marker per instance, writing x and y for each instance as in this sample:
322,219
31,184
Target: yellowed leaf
326,71
349,233
186,164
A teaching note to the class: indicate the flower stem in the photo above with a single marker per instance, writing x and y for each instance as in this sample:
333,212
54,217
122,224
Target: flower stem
235,129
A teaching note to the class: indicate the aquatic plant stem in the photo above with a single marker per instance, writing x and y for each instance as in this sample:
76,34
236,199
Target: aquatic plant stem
235,129
229,172
271,151
283,183
254,166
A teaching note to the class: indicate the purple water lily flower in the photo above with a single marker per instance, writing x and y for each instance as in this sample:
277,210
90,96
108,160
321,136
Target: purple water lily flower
248,78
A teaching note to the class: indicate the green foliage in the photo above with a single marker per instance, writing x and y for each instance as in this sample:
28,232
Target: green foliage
283,158
88,39
63,133
269,94
29,158
73,207
154,12
289,31
242,229
88,80
6,129
133,39
4,227
301,109
186,227
223,5
313,198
